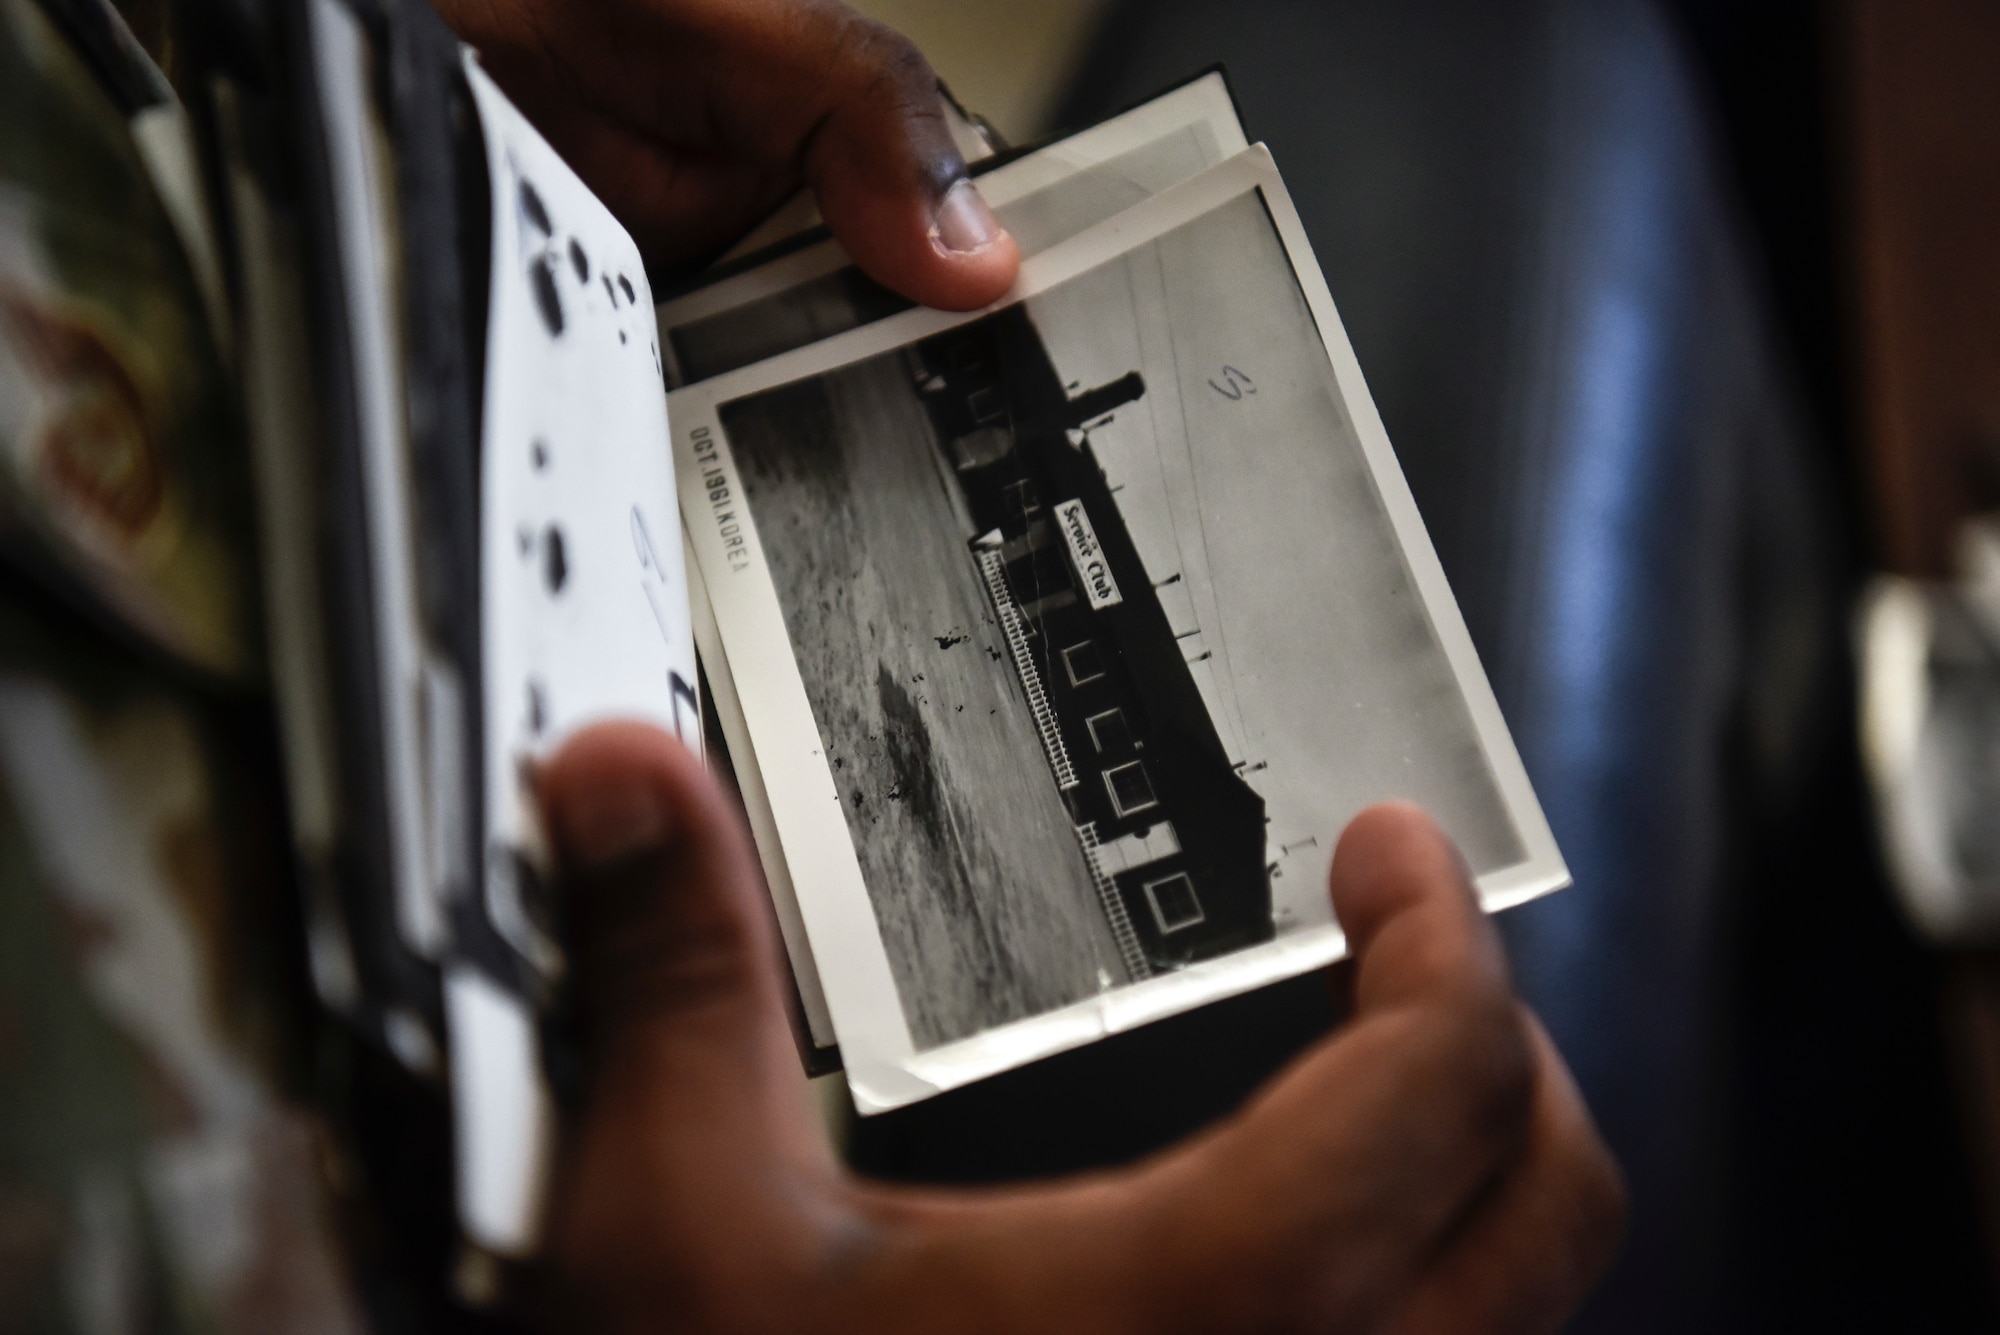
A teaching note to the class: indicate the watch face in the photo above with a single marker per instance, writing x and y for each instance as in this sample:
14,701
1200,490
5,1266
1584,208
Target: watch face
122,473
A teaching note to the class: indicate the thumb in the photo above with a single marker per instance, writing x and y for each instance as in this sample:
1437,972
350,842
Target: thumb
695,1134
675,957
1344,1176
892,185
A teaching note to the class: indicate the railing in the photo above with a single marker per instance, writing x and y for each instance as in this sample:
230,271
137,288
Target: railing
1114,907
994,572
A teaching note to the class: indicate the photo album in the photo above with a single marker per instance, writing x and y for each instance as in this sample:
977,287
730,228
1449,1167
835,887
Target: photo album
1052,645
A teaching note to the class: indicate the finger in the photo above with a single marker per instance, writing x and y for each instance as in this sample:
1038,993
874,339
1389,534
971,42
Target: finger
1531,1250
1322,1203
892,185
694,1079
658,890
1404,897
1350,1168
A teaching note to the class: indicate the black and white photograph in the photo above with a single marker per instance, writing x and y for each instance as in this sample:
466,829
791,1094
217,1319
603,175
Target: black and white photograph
1104,618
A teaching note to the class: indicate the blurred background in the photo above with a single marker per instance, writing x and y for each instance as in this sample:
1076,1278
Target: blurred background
1012,63
1684,318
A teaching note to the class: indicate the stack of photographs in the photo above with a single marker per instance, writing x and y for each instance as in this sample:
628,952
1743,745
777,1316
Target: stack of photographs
1054,644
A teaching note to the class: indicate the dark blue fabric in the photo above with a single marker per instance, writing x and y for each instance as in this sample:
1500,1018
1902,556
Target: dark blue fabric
1528,220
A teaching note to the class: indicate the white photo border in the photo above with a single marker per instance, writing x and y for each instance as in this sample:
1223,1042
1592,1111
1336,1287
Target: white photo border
757,806
885,1070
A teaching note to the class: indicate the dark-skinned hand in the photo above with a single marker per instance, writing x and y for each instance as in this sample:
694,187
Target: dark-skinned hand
1427,1168
693,119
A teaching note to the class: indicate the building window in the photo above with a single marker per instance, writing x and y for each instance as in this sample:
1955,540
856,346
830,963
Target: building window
980,447
1131,791
1173,902
1108,732
1083,662
1021,498
1041,572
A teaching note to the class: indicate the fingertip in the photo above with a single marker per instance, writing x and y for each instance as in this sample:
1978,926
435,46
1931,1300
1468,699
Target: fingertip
615,745
663,911
1391,857
893,187
616,790
1388,820
936,255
